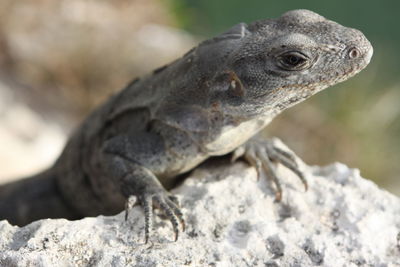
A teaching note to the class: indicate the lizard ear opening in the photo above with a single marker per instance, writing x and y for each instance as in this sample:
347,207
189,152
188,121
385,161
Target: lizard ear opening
228,89
236,88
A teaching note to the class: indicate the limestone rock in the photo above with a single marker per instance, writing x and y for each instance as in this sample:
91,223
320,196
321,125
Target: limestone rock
232,220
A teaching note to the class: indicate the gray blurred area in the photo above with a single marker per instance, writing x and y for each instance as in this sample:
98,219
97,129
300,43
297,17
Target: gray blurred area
59,59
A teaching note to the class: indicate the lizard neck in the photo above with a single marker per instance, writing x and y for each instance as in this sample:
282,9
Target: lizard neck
231,136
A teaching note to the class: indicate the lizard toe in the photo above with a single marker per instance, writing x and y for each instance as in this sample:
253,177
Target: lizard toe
287,159
254,161
169,206
147,204
170,210
262,154
270,170
173,202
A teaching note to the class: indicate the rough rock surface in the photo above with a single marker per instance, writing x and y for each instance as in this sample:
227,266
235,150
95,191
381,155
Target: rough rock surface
232,220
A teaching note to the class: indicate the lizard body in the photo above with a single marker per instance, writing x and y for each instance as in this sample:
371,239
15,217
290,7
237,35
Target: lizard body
208,103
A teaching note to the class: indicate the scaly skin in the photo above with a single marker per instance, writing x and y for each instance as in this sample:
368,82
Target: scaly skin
208,103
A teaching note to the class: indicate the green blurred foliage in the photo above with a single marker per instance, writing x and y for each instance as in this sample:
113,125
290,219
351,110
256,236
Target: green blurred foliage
377,19
357,122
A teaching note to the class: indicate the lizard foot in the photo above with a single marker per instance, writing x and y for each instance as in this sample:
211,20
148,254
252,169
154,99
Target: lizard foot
138,183
261,154
164,201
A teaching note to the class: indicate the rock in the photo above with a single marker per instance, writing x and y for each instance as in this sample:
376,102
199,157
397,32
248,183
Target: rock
232,220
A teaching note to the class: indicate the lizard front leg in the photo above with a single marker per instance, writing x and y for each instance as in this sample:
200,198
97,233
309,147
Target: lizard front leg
139,181
263,153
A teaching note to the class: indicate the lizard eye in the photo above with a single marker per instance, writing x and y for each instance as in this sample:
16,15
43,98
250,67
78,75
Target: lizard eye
293,61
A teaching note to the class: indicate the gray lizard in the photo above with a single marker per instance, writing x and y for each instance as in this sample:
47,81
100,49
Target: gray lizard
210,102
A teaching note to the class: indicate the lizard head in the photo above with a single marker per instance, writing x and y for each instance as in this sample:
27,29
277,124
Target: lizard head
283,61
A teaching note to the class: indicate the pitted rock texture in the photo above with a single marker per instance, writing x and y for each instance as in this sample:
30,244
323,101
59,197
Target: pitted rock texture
232,220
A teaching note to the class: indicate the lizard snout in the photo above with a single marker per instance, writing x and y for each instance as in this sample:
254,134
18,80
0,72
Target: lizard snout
361,50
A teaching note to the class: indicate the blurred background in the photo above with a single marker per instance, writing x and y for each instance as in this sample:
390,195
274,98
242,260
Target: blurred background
59,59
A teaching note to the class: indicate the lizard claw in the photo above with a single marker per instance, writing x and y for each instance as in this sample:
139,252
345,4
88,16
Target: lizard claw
150,194
261,154
172,211
175,204
168,204
129,205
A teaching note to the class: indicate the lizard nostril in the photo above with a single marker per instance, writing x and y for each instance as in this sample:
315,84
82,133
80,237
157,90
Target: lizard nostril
354,52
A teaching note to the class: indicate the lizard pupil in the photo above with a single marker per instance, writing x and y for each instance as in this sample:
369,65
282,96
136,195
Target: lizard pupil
293,60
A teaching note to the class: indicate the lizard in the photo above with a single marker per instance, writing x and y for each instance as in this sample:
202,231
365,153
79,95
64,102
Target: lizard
212,101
